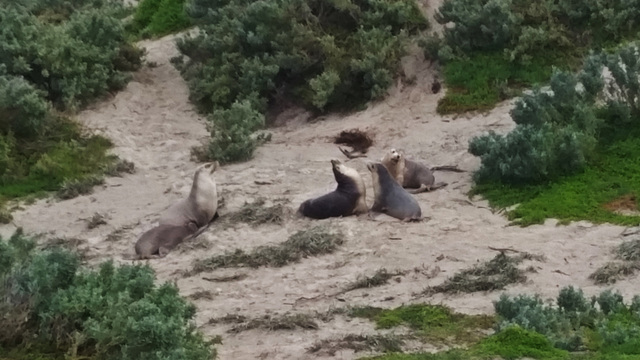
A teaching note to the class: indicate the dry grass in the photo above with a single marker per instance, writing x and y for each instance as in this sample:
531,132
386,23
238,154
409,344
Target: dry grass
312,242
74,188
614,271
234,277
96,220
267,322
376,342
628,262
358,140
492,275
120,167
204,294
381,277
256,213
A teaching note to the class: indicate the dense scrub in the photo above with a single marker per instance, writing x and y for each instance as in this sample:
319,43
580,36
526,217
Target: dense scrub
506,44
250,55
574,146
50,303
56,56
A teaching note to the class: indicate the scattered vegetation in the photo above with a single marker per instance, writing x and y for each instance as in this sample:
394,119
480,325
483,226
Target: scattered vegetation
50,303
434,324
626,264
496,47
572,154
492,275
376,342
575,327
381,277
256,213
268,322
76,187
56,57
248,56
312,242
96,220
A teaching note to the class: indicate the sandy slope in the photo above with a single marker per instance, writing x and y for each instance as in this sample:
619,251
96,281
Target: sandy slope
153,125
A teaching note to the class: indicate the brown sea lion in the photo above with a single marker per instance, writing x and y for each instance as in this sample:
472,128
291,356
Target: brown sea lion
201,206
391,198
414,176
347,199
160,240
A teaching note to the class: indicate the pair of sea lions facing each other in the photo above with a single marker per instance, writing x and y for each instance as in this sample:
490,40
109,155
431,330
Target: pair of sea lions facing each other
349,197
185,219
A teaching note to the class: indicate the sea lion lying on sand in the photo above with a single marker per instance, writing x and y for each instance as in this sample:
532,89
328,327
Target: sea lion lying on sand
414,176
347,199
160,240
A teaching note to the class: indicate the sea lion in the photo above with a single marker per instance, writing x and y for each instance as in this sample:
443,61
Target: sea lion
412,175
160,240
349,198
391,198
201,206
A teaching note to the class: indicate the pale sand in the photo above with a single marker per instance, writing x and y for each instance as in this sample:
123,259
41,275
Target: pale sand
153,124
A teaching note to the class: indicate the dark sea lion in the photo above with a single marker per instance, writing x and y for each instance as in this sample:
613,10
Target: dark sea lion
347,199
201,206
391,198
160,240
414,176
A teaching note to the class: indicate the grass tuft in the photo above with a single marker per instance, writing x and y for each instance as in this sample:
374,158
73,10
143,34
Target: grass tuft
434,323
76,187
376,342
494,274
256,213
628,262
96,220
381,277
267,322
312,242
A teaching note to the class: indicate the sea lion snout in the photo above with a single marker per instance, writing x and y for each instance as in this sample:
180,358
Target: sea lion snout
371,166
335,162
212,166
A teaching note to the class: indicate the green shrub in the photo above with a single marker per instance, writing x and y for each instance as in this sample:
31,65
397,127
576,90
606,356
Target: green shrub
231,134
108,313
23,109
604,323
325,54
524,34
554,136
480,25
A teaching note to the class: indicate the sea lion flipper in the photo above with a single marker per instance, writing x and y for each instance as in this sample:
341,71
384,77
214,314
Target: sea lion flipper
421,189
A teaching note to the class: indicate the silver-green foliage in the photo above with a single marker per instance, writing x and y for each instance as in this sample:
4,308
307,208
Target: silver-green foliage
74,57
114,312
554,135
568,325
556,129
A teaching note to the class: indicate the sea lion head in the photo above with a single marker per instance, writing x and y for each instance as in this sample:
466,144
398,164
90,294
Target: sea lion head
394,156
211,166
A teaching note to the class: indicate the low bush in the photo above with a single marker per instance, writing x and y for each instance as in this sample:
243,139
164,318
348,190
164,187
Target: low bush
48,301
